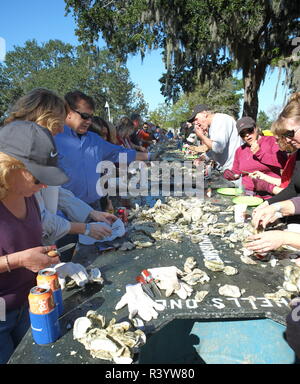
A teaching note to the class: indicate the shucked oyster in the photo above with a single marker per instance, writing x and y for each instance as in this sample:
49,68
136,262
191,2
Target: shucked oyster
200,296
230,271
195,277
230,291
189,264
214,265
115,342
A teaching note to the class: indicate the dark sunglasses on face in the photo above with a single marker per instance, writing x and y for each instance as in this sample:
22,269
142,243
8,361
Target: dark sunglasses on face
36,181
288,134
246,131
83,115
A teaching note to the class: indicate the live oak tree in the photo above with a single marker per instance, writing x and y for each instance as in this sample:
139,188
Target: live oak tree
62,67
201,39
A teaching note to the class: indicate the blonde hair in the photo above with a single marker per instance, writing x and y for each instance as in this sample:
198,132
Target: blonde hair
290,111
41,106
278,129
7,164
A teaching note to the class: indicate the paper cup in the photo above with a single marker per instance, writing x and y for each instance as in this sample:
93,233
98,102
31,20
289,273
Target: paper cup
240,213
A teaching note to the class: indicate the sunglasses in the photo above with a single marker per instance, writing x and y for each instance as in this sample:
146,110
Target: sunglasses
36,181
83,115
288,134
246,131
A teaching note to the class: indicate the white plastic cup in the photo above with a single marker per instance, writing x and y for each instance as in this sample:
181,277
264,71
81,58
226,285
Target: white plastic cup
240,213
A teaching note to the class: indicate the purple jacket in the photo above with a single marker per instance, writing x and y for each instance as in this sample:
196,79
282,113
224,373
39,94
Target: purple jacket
17,235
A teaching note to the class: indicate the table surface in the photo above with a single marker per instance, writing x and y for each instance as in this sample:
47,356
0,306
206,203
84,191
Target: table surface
120,268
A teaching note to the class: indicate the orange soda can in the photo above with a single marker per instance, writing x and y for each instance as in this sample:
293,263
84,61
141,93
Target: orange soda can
41,300
47,278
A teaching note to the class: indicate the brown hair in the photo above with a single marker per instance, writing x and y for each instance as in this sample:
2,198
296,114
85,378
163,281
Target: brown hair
7,164
290,111
41,106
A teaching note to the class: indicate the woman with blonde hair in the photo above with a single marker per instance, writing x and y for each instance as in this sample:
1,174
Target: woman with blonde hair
287,202
48,110
43,107
28,163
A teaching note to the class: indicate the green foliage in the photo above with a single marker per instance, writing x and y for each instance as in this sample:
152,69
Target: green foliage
201,39
263,121
62,68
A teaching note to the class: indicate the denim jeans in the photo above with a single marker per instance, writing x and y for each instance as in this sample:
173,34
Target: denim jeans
12,331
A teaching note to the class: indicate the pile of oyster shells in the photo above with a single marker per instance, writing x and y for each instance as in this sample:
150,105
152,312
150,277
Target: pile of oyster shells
191,218
114,342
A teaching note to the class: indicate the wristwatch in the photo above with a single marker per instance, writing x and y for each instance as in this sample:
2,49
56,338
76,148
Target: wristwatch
87,229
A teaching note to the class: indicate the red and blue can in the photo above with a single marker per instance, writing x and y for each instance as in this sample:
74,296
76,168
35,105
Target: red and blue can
122,214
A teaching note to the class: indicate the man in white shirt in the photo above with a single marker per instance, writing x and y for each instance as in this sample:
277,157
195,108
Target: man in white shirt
218,132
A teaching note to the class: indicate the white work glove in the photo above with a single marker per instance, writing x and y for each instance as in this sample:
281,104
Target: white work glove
139,303
166,278
76,272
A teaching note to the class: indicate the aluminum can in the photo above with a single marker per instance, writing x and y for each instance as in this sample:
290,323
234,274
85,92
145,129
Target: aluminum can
265,256
122,214
41,301
47,278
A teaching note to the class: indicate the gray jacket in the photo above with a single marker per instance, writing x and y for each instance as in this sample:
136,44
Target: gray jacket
54,226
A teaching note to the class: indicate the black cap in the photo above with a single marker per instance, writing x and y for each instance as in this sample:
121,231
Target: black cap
198,109
245,122
34,146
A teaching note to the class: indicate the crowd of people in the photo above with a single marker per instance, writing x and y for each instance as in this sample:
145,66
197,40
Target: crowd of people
49,151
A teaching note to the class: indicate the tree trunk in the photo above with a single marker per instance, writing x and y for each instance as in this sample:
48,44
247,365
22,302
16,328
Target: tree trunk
253,77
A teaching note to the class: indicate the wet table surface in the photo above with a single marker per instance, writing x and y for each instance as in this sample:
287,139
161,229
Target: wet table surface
120,268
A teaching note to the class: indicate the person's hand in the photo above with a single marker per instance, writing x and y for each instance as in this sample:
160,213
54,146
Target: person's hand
264,216
106,217
228,174
76,272
166,278
37,258
260,206
254,147
142,149
139,303
199,131
265,241
98,231
257,175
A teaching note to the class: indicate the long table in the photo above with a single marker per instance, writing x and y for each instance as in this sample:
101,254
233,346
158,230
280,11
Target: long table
121,267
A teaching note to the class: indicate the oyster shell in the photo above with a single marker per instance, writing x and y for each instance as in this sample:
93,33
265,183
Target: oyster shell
230,291
278,295
230,271
189,264
195,277
200,296
81,325
214,265
247,260
292,278
114,343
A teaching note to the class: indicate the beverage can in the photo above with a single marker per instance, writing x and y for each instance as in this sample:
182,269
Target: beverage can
264,256
47,278
41,301
122,214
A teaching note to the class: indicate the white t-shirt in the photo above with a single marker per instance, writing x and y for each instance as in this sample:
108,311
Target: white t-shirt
226,140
